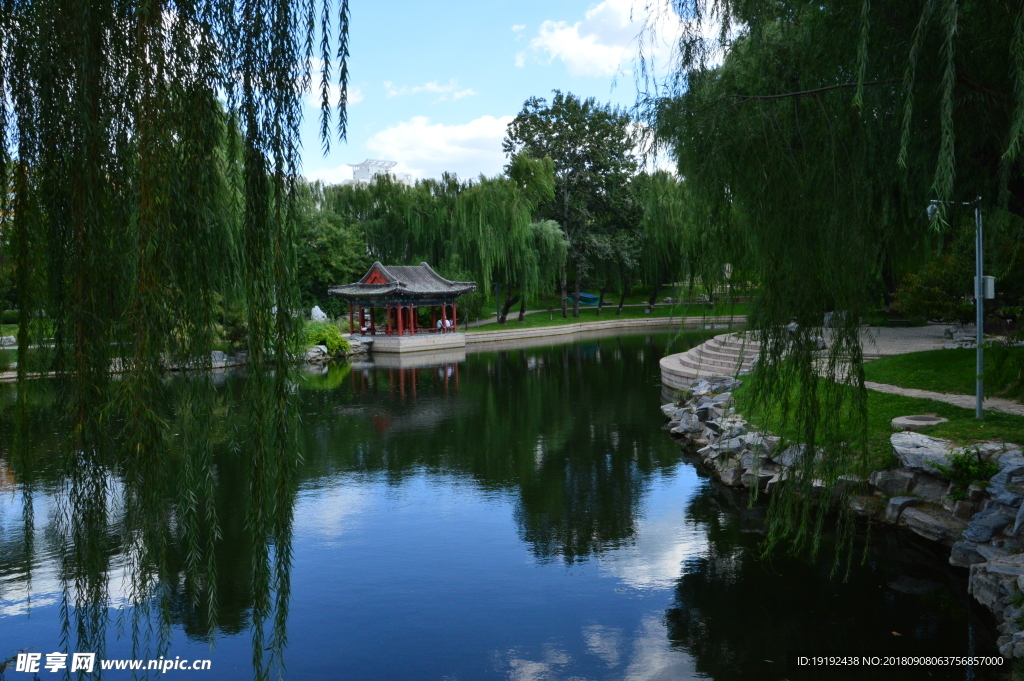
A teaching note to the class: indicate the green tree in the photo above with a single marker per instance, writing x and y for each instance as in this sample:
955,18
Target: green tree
330,249
815,134
591,147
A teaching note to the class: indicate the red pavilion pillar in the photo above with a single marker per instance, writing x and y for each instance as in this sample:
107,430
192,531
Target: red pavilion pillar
351,318
455,316
388,309
444,318
401,330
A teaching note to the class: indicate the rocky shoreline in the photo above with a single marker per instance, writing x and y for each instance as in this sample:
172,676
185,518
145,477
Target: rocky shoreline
982,526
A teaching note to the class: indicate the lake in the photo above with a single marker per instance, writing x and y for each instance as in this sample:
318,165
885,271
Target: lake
518,514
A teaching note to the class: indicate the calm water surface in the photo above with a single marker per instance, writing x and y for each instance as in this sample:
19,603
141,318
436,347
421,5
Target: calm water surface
507,515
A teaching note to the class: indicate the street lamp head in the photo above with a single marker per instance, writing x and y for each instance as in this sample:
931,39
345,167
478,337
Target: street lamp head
933,211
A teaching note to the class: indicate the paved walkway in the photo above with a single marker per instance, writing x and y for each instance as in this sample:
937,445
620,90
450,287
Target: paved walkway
965,401
882,341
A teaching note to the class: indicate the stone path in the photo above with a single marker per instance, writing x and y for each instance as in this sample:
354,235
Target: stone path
882,341
965,401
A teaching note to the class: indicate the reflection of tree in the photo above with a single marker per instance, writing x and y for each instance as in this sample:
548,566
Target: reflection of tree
734,611
201,528
538,424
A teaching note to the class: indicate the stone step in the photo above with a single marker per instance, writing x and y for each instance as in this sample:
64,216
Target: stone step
697,361
712,354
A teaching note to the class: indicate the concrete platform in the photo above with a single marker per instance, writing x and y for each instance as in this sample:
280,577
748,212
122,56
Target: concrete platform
428,342
418,359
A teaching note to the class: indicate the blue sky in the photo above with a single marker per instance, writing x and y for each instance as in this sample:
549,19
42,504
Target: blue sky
433,84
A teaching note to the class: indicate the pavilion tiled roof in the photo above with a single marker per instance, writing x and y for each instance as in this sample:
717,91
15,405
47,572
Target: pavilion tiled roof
402,281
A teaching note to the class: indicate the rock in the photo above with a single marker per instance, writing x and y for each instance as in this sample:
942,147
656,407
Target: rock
687,425
8,341
750,460
724,400
929,488
735,431
934,524
749,478
976,491
791,455
761,443
731,476
713,426
985,525
1009,467
1008,499
317,353
717,384
965,554
894,509
317,315
921,452
865,506
669,410
1014,647
1018,523
730,445
218,359
964,509
892,483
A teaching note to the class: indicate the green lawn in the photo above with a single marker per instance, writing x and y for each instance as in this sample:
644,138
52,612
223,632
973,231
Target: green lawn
8,329
962,427
944,371
589,314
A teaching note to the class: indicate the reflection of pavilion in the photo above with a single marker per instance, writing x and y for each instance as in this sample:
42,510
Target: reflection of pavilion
402,293
405,373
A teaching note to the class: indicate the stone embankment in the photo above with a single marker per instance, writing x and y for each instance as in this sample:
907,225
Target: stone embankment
983,525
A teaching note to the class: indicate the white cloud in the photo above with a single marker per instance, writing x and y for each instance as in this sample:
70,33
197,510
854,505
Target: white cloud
329,175
450,88
518,28
605,41
425,149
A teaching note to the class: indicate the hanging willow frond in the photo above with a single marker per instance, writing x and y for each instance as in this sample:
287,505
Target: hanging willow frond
148,162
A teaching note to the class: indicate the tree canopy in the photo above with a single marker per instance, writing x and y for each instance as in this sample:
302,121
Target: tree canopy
817,133
592,149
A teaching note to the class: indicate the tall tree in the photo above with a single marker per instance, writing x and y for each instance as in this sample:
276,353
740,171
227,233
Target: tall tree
591,146
817,132
148,162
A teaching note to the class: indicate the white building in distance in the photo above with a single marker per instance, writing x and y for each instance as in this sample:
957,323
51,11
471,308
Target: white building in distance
363,173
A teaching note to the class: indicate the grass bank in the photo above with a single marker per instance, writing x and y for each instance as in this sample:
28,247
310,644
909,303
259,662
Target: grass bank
943,371
962,427
589,314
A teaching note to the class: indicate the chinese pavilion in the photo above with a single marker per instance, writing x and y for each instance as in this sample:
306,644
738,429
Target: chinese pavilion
399,291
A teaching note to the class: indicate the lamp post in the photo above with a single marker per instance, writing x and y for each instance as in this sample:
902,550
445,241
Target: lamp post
979,300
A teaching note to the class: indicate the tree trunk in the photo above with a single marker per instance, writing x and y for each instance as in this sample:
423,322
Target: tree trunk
509,302
564,292
600,302
622,299
654,295
522,309
576,298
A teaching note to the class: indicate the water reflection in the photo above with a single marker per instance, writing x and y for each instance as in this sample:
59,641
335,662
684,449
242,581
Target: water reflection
512,514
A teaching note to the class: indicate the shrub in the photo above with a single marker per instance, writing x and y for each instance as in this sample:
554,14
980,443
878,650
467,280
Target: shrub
9,317
967,467
326,334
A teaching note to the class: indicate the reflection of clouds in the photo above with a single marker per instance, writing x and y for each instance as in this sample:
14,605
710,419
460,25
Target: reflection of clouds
648,656
653,659
664,540
605,642
553,659
329,513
